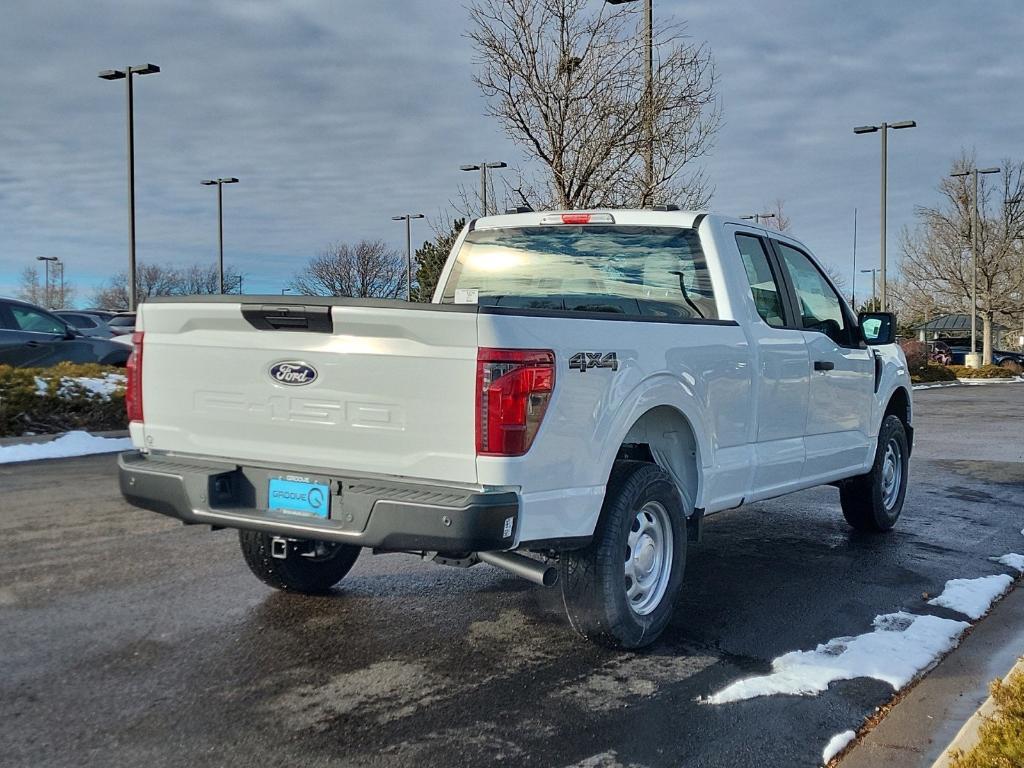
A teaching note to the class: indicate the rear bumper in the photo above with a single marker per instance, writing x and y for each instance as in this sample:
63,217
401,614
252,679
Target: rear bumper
365,512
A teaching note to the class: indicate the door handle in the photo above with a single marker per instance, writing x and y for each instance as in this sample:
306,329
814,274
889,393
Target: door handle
32,344
824,365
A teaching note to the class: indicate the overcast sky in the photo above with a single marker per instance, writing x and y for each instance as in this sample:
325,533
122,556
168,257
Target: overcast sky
337,115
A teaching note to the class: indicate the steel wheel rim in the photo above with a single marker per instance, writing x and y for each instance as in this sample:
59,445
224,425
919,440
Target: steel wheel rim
648,565
892,473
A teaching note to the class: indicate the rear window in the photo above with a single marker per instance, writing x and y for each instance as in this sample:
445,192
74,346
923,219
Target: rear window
648,271
122,320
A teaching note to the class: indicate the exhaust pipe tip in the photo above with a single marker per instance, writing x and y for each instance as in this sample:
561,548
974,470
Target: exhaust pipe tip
550,577
544,574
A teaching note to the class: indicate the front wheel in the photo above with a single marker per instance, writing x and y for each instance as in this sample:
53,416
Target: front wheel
620,591
310,567
873,502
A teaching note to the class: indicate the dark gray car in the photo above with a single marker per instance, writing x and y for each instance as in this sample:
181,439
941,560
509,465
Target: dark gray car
32,337
89,323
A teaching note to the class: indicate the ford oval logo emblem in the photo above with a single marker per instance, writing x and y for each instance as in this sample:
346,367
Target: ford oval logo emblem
293,373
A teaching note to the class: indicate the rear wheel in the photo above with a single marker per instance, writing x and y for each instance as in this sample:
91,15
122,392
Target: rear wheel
621,590
311,567
873,502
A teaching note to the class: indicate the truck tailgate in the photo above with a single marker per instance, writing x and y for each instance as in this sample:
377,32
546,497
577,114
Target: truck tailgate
393,391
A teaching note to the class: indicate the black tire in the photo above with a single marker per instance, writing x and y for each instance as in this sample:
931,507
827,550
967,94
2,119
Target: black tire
594,581
867,504
297,573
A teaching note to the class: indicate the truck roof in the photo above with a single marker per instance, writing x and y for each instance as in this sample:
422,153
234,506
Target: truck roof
629,217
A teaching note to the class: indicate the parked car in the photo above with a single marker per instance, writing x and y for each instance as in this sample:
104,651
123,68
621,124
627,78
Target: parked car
122,324
30,336
959,347
585,388
89,323
106,314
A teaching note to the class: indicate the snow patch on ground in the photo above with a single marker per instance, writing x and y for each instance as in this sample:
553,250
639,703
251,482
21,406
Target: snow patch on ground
1012,560
70,387
900,647
71,444
836,745
973,597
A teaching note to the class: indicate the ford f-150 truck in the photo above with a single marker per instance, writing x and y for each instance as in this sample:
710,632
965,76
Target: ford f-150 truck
584,389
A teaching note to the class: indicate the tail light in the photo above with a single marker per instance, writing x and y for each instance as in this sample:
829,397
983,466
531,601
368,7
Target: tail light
133,391
514,387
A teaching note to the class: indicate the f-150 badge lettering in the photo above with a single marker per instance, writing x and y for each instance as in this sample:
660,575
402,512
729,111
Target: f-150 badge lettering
293,373
584,361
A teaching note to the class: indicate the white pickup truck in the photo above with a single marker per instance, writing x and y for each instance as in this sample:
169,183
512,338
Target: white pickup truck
584,389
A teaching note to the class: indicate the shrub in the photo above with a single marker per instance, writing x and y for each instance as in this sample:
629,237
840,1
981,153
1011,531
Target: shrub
985,372
931,372
916,353
1001,738
64,397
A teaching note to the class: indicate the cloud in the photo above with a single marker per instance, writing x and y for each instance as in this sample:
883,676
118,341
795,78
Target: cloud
335,116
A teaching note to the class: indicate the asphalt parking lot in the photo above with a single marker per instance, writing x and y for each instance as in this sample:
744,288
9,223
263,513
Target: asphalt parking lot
127,639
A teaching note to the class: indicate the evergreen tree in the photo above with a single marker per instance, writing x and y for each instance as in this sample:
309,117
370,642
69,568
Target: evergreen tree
430,259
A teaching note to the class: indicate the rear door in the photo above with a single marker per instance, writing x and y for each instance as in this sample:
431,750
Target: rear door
842,371
782,376
370,387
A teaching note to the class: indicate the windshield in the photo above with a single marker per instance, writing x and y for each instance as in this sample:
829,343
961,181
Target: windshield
649,271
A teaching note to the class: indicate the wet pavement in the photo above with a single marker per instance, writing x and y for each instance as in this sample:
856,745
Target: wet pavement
128,639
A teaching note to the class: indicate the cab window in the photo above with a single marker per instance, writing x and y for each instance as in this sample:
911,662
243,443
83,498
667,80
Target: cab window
657,272
819,305
763,285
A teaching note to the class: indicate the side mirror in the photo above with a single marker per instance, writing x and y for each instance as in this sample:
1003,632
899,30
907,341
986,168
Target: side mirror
877,327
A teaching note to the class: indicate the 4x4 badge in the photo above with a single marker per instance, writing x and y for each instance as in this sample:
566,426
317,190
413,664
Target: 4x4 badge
584,361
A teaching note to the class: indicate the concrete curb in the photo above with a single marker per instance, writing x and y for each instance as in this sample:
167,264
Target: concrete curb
33,439
965,382
968,736
924,719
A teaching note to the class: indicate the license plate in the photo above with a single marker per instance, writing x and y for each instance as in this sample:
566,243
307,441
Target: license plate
299,498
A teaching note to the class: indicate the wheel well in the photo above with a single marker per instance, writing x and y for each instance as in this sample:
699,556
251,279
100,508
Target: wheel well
664,437
899,406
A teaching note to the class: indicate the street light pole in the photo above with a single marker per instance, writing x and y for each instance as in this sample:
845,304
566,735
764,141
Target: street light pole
974,259
220,221
126,75
46,285
884,128
408,217
482,167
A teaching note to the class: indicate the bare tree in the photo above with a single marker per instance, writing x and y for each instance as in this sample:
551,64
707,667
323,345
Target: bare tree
367,269
565,78
937,253
151,280
31,288
158,280
780,221
201,280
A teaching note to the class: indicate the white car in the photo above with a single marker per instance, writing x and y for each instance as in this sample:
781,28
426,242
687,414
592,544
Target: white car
585,388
